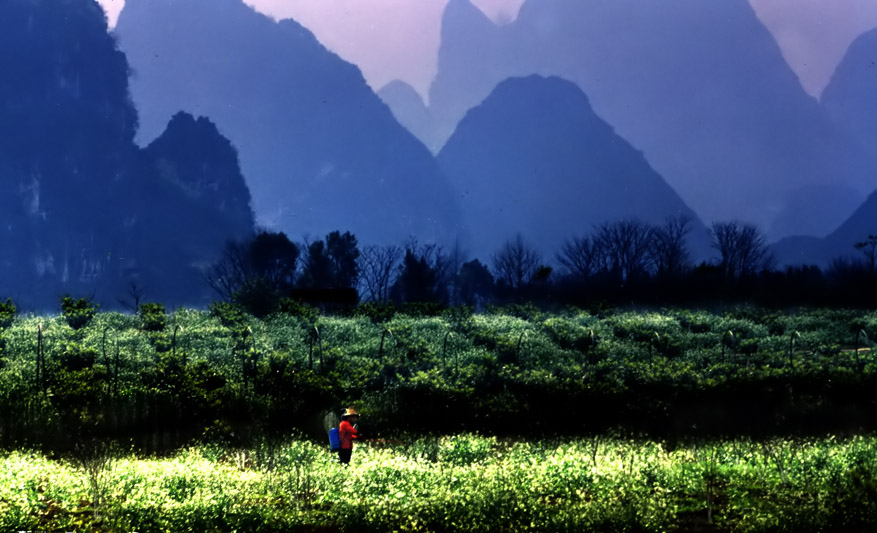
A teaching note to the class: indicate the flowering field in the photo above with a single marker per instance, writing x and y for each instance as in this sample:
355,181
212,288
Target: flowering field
456,483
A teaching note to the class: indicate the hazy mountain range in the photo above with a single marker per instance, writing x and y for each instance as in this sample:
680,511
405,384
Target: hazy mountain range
578,113
700,87
321,152
850,101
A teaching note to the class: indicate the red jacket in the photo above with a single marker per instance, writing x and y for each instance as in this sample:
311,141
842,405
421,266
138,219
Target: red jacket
346,432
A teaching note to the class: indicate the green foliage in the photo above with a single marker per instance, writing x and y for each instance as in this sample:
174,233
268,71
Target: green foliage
74,357
422,309
460,482
376,312
7,313
78,312
229,314
304,312
153,316
657,373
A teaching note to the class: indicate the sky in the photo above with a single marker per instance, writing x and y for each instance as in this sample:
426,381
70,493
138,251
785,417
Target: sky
399,39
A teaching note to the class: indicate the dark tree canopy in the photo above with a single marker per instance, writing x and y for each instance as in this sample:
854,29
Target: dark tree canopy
475,283
257,273
581,257
868,247
625,246
669,251
421,277
343,255
331,263
274,258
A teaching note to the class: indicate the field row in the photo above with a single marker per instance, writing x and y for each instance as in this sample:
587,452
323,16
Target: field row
454,483
669,373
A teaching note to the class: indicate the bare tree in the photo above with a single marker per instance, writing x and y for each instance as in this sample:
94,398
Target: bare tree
625,246
378,268
869,248
256,273
133,296
516,263
669,251
581,257
226,276
743,249
455,260
435,257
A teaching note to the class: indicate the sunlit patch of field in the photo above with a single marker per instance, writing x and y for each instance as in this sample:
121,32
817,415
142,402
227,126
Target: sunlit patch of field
456,483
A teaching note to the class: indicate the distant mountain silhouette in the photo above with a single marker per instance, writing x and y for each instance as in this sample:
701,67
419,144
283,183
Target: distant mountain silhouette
700,87
408,108
820,202
534,159
475,55
837,244
66,124
192,200
849,100
850,95
193,157
80,202
321,152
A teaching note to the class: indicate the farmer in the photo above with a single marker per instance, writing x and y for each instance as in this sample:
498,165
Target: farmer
346,433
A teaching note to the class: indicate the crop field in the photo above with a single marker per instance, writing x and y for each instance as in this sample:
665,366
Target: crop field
512,419
457,483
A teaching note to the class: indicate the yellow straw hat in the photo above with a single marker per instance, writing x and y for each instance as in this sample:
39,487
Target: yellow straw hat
350,411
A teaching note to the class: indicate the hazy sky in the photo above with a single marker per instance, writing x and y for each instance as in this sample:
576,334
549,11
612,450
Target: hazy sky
398,39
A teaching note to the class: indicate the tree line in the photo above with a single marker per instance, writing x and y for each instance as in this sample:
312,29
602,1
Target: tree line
618,261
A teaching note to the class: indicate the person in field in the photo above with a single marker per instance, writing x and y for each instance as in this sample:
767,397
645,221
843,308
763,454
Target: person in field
347,433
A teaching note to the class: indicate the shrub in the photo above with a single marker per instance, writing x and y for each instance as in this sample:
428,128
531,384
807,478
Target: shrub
75,357
299,309
153,317
78,312
7,313
376,312
231,315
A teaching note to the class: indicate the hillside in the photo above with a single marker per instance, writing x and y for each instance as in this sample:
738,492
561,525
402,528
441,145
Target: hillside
84,210
726,122
320,151
535,159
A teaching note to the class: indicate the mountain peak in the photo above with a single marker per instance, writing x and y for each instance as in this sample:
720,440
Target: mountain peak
541,84
464,12
535,146
401,89
319,148
678,103
857,71
409,109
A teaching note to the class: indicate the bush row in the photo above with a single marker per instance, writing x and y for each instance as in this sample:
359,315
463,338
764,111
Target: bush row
162,379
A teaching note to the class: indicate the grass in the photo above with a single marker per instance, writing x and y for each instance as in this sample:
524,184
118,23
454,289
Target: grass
459,483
